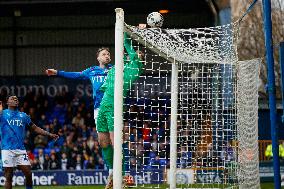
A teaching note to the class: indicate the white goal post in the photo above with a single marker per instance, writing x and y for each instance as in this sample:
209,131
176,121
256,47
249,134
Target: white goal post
118,99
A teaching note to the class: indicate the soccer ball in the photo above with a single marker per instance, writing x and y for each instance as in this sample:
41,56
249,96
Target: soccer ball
155,20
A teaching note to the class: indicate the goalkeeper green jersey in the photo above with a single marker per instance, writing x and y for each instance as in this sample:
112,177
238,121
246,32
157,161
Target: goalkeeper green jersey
132,70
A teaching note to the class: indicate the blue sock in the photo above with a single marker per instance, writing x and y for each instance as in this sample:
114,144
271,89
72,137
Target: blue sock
29,187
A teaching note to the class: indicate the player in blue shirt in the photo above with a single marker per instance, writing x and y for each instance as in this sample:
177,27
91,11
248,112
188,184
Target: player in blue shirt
13,124
96,74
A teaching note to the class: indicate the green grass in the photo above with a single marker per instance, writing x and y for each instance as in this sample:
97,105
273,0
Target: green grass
268,186
64,187
263,186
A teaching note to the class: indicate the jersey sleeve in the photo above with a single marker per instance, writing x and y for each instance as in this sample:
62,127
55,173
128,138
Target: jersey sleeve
86,72
133,67
74,75
129,49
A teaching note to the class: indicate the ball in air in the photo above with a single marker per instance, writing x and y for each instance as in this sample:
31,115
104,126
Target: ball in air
155,20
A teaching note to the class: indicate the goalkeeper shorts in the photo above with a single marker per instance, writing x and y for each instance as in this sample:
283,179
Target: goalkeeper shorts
105,120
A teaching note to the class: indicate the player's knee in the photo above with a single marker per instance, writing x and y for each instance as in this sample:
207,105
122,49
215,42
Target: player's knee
104,143
104,140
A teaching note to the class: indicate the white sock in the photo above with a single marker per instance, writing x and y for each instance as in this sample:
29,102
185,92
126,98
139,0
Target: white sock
110,171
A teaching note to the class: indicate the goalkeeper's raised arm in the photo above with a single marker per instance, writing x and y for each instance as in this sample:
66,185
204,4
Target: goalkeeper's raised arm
132,66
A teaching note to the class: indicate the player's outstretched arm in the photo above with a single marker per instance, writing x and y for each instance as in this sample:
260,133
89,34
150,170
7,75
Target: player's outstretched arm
40,131
70,75
51,72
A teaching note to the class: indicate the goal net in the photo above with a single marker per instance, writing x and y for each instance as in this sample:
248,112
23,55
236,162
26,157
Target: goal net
200,129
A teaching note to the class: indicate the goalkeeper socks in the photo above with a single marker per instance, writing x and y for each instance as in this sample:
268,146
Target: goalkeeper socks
29,187
108,156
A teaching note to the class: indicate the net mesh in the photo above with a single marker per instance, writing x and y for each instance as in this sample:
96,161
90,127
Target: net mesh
203,45
217,110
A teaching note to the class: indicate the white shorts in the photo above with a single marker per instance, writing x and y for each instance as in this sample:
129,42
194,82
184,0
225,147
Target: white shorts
13,158
96,113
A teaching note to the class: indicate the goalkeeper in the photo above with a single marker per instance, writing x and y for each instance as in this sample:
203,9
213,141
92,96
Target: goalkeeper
105,122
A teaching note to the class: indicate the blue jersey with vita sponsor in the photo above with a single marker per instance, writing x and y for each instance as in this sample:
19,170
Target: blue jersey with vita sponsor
96,75
12,129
